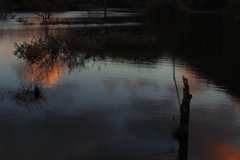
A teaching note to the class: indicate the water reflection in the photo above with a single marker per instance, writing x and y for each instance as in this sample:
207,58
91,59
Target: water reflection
221,151
111,83
50,73
115,113
207,44
30,94
2,93
196,87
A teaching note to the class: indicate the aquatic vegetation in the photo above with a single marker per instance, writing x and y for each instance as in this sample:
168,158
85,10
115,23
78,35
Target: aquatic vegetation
31,51
30,92
76,42
75,47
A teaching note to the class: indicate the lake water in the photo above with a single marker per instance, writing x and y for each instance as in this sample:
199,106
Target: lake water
122,107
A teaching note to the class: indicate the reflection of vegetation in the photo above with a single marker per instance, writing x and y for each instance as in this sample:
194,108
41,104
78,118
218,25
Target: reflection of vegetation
2,93
30,92
77,43
75,47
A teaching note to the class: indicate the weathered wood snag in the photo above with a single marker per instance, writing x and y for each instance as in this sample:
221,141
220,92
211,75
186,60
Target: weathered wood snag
182,133
184,109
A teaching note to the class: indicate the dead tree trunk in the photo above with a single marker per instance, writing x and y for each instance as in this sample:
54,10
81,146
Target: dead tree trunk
104,4
182,132
105,12
184,109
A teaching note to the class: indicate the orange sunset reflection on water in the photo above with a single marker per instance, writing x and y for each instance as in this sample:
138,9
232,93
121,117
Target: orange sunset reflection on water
195,86
48,75
220,151
7,45
6,49
9,36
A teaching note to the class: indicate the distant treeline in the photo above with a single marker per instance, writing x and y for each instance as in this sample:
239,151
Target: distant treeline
26,5
205,4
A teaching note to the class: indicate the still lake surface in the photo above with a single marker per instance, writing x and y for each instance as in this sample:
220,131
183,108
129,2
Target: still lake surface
115,108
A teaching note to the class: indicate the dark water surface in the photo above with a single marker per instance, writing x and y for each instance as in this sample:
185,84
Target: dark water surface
121,107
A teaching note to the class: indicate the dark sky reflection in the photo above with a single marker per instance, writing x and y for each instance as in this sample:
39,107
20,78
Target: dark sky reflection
88,135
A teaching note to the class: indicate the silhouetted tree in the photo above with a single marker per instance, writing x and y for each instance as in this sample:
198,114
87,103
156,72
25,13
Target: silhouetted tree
45,8
182,133
129,4
233,6
104,4
163,8
6,9
208,4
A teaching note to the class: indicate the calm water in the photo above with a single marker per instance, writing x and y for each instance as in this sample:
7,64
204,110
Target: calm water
114,108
